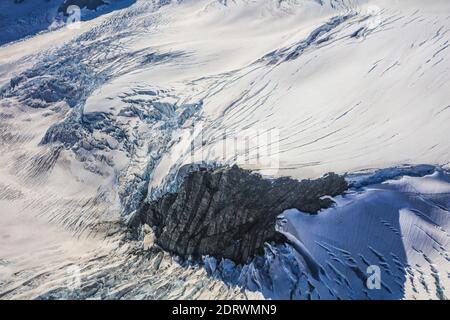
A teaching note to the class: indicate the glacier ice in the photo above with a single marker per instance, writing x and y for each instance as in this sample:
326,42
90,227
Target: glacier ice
92,120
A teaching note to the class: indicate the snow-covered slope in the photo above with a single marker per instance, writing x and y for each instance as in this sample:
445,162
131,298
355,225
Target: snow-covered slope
405,226
93,117
24,18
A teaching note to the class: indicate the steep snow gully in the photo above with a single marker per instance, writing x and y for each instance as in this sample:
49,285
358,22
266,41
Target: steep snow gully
126,139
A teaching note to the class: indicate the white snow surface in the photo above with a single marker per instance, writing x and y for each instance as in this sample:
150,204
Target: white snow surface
92,117
405,234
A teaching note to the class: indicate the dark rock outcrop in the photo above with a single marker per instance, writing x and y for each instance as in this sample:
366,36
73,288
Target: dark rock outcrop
89,4
230,212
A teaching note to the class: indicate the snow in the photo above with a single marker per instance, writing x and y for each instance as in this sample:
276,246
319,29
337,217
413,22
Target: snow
330,255
388,225
28,18
93,117
363,122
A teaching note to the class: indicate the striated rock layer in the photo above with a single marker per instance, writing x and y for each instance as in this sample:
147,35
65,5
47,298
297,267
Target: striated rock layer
231,212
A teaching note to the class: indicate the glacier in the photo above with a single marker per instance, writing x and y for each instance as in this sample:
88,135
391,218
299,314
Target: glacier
99,118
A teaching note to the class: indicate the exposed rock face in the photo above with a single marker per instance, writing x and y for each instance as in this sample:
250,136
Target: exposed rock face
231,212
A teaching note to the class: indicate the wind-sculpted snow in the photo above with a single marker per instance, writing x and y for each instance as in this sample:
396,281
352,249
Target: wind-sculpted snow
69,75
20,19
317,37
388,225
391,225
97,119
229,212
